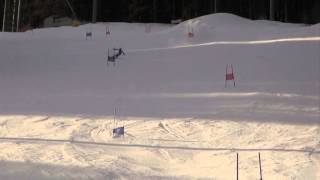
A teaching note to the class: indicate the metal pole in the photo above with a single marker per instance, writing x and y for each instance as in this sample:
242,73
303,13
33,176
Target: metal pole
18,17
237,167
94,10
115,114
260,167
4,15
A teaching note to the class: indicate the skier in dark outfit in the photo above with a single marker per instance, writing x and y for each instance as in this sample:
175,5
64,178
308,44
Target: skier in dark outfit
121,52
111,59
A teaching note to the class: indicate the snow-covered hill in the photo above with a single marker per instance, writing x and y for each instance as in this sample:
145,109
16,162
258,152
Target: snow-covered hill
58,94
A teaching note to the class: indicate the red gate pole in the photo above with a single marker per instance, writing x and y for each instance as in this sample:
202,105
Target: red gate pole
234,81
225,82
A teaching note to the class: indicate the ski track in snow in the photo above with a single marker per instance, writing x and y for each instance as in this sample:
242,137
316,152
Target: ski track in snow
269,41
79,149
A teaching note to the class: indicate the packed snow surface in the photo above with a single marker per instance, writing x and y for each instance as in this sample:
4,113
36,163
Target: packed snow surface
58,98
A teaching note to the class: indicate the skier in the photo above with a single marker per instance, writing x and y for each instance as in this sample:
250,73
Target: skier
111,59
121,52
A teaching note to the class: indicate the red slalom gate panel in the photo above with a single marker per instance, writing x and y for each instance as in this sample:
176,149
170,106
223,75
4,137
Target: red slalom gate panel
107,31
230,75
190,32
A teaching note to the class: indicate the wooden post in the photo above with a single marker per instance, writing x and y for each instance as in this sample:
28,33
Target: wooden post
260,167
237,166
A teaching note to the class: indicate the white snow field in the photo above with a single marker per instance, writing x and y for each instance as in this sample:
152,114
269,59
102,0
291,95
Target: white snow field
57,98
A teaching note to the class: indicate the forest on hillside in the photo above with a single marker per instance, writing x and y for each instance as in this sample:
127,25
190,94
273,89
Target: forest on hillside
33,12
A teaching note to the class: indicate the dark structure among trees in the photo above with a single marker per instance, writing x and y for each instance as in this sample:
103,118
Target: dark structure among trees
33,12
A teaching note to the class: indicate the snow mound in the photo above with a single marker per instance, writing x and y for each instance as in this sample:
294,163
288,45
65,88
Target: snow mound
228,27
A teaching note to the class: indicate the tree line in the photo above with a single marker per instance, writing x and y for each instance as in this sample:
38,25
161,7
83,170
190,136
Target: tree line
33,12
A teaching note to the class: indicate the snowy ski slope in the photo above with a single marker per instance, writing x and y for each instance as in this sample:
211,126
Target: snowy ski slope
58,96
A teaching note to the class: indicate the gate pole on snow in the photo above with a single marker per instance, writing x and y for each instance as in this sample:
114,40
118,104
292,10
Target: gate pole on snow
260,167
225,82
237,166
114,116
190,31
234,82
230,76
